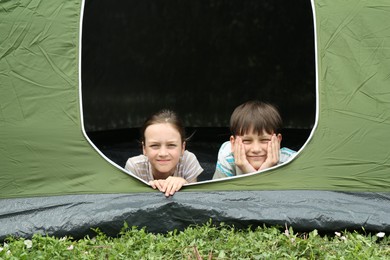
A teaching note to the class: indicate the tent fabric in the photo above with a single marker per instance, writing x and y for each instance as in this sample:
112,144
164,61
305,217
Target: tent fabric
44,151
76,215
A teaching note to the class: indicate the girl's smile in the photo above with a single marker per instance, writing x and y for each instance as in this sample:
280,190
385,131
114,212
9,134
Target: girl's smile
163,147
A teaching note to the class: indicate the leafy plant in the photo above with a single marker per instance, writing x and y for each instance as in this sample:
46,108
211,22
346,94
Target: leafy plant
203,242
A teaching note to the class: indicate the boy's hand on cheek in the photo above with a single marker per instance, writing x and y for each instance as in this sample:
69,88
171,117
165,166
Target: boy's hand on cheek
273,149
240,157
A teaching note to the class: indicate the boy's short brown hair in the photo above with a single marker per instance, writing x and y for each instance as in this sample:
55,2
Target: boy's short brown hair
255,116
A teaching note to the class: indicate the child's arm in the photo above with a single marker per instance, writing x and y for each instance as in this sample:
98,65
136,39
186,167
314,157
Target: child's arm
225,163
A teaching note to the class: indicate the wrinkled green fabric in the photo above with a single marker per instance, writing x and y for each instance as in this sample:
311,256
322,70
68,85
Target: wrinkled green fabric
43,151
42,148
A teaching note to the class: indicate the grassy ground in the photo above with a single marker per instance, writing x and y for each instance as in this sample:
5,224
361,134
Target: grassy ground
203,242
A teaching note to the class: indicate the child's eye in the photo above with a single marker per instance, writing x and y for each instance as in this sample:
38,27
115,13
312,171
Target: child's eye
172,145
265,140
246,141
154,146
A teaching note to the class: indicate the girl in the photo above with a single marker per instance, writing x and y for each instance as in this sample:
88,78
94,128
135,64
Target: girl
165,163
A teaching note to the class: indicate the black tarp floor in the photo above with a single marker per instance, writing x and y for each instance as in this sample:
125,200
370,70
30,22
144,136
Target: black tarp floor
76,215
304,210
119,145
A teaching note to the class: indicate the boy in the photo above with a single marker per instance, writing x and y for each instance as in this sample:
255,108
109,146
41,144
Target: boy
255,141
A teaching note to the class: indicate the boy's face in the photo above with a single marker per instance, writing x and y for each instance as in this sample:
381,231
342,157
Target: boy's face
256,146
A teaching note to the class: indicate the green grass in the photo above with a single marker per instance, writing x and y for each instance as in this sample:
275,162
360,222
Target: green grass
202,242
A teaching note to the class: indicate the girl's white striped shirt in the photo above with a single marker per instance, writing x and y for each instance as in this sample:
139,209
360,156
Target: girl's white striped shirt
187,168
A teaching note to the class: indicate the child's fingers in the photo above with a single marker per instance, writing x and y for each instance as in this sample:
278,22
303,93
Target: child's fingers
276,148
242,152
174,184
273,147
270,153
237,150
161,185
172,188
239,155
168,190
273,151
157,184
169,184
153,184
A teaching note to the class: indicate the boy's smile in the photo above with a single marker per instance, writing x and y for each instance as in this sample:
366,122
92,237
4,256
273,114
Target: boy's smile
256,157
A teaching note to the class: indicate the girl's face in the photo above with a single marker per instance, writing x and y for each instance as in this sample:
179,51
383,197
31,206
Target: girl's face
163,147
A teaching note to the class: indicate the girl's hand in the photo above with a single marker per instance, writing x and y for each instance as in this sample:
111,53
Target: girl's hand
240,156
273,149
157,184
169,186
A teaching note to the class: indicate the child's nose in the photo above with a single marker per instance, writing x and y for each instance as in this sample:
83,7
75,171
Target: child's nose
162,151
257,146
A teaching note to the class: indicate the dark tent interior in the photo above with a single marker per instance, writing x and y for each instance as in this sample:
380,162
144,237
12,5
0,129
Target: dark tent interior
199,58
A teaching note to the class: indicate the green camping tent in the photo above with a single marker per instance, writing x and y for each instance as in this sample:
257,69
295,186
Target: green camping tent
54,181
